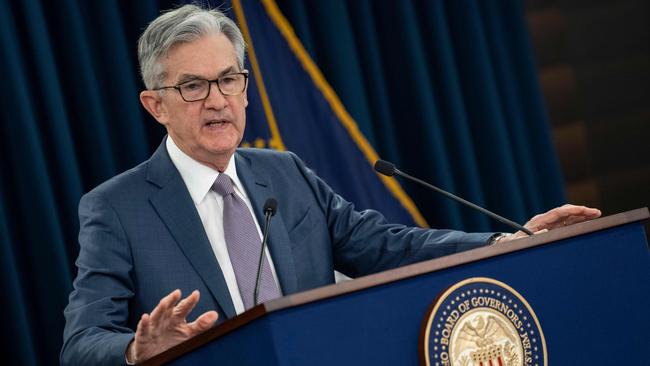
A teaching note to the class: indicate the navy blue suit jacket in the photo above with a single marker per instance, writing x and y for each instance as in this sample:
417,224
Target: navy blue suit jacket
141,237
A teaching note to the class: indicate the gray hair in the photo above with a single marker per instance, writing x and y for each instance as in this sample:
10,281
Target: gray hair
185,24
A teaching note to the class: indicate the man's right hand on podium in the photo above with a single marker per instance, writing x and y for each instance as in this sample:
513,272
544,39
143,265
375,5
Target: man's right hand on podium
167,326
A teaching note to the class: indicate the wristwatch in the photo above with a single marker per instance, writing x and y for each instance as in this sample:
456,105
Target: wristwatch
496,238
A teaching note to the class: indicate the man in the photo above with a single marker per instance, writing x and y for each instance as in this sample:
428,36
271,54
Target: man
187,220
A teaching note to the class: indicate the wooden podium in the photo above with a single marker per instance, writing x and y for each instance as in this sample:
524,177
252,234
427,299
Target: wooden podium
589,285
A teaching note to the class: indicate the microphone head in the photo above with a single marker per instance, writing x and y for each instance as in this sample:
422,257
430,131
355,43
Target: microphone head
271,206
384,167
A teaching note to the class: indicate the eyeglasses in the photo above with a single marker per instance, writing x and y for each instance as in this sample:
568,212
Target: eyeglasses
199,89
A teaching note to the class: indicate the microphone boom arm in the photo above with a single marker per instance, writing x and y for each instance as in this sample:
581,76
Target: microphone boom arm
389,169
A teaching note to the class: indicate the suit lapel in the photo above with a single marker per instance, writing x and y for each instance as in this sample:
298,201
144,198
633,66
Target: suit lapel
174,205
259,189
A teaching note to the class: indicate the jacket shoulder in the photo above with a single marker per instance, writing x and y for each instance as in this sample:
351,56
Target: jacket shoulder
270,158
266,154
130,181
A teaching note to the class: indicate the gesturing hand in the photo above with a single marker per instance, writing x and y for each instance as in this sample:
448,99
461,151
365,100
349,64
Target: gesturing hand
557,217
167,326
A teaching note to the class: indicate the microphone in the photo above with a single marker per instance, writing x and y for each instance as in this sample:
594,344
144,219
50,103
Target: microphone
270,208
388,169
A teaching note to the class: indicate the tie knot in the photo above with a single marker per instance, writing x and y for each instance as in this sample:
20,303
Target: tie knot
223,185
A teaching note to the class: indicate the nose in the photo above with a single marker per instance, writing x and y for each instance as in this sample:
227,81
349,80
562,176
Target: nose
215,99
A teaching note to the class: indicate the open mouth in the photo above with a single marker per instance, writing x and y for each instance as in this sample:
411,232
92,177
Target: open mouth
221,122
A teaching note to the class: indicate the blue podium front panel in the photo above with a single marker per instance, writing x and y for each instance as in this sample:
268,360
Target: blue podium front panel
591,295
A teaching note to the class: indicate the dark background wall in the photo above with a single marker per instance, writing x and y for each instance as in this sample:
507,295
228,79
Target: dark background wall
594,66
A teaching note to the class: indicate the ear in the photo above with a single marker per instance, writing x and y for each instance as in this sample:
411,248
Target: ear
246,97
152,101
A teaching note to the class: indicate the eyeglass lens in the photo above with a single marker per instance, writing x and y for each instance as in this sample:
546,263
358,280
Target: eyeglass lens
198,89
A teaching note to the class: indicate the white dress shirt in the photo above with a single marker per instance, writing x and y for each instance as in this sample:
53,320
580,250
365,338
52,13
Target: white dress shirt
199,179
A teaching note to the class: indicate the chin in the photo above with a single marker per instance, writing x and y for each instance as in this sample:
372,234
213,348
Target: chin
222,143
222,149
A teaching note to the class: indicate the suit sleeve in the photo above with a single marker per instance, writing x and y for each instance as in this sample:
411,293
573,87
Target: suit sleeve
96,331
364,243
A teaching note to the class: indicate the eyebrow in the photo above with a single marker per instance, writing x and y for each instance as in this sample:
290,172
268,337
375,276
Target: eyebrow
187,77
228,70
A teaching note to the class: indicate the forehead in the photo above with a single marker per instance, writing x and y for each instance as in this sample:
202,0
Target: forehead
207,56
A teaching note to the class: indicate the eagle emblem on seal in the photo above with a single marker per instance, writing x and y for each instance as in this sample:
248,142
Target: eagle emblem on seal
482,322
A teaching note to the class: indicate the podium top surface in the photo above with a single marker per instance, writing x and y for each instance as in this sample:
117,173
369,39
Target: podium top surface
452,260
401,273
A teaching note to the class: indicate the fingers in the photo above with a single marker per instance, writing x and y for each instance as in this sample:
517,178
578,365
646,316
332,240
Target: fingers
579,211
521,234
142,331
166,326
562,216
172,311
165,306
185,306
569,215
204,322
570,220
590,213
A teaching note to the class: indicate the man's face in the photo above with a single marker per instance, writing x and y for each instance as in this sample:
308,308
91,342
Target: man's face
208,130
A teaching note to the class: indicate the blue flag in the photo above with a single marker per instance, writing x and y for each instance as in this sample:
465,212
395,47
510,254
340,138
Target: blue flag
292,107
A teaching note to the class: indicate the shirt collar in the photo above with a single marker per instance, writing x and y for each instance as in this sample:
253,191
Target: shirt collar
198,177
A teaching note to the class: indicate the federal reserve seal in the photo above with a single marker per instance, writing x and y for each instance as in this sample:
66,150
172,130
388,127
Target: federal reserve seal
482,322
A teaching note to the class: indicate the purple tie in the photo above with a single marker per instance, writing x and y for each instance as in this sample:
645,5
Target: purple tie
244,245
